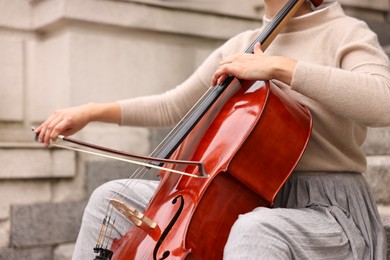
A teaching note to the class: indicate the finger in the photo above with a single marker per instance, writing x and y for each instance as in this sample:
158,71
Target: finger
50,128
37,129
41,130
41,133
257,48
218,74
222,78
60,129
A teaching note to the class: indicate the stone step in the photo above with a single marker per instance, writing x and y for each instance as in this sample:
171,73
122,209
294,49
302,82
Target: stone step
378,141
64,252
37,163
378,163
39,253
385,215
378,177
42,224
381,29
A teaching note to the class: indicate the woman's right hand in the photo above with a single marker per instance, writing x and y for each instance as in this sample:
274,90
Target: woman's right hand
64,122
70,120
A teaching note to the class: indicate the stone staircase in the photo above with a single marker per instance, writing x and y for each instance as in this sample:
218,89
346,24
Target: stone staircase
377,147
47,229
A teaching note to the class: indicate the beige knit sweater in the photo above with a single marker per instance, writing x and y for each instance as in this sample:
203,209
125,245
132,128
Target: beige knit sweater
342,76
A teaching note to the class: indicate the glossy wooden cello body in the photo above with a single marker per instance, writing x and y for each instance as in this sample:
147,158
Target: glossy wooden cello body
249,138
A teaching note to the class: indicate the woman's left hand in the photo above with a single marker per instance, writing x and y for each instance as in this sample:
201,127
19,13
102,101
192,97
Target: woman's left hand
256,66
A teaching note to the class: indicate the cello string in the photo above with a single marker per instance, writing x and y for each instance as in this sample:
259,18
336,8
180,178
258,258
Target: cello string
112,228
113,214
140,173
130,183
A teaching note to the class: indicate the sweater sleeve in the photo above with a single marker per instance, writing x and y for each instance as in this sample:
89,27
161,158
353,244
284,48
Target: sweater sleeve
168,108
357,87
164,109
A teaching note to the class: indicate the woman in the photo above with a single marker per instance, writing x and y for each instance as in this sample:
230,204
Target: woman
330,63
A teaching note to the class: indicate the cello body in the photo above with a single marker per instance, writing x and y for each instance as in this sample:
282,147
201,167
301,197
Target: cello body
250,142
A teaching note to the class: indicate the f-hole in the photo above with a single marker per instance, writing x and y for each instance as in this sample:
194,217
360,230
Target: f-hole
168,228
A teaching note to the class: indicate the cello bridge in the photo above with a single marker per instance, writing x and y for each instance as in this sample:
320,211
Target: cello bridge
132,214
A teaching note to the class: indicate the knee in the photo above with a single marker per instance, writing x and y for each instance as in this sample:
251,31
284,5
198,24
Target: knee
101,195
260,226
103,191
257,222
256,235
137,196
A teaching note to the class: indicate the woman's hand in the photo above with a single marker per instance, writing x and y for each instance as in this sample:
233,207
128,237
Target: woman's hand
63,122
256,66
70,120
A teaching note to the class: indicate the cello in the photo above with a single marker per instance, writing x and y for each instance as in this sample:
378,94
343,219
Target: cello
190,218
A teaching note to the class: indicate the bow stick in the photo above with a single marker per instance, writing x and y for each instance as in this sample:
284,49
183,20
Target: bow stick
201,170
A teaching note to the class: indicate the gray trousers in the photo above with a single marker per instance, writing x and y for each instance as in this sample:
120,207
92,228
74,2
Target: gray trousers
312,231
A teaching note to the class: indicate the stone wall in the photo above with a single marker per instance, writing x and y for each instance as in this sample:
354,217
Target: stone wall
60,53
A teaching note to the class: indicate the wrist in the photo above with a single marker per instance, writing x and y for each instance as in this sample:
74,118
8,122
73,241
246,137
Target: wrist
283,69
92,112
104,112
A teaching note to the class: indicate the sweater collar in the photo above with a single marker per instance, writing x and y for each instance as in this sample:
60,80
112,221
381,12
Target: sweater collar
321,15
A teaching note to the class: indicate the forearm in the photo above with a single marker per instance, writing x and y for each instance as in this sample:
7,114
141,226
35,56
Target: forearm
105,112
165,109
363,97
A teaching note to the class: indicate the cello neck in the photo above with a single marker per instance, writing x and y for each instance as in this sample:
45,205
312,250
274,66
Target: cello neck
276,24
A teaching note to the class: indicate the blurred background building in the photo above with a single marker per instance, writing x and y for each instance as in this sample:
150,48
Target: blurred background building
60,53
